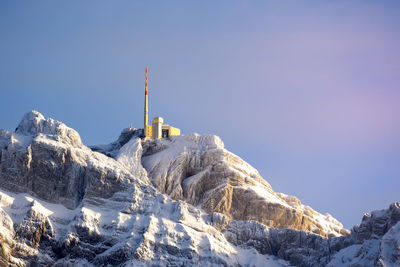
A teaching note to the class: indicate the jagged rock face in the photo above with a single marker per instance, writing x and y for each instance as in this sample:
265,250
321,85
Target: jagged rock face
376,247
108,213
112,150
61,204
136,227
376,224
33,123
199,170
374,242
300,248
47,159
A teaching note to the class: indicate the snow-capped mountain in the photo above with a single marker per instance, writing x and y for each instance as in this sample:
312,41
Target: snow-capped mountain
181,201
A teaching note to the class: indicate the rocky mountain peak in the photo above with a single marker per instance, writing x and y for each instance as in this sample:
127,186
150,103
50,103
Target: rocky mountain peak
31,123
199,170
179,201
34,123
377,223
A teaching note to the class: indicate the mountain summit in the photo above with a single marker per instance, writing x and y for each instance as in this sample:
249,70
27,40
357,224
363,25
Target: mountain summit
177,201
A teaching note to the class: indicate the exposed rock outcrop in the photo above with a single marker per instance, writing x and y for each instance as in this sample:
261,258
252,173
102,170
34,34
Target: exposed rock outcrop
135,227
199,170
369,244
61,204
112,150
193,203
47,159
377,223
374,242
300,248
33,123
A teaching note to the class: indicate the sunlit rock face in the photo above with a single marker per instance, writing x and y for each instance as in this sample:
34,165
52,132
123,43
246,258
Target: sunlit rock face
184,201
197,169
61,204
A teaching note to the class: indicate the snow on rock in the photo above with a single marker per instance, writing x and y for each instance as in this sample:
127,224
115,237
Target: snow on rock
130,156
302,248
112,149
136,227
377,223
374,242
384,251
390,247
46,159
357,255
182,201
62,204
197,169
33,123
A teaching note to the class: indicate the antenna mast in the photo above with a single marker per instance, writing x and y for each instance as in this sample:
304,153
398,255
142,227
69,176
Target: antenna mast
146,108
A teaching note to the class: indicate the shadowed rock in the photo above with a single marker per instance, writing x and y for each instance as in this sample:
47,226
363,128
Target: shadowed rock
115,215
47,159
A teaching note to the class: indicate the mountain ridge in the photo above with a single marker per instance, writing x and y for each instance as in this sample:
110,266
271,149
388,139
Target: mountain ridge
184,200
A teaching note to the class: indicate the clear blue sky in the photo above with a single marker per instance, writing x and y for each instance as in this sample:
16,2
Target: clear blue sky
305,91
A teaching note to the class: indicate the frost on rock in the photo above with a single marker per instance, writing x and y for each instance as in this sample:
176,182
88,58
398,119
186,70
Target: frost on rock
61,204
302,248
136,227
197,169
33,123
182,201
130,156
374,242
46,159
112,150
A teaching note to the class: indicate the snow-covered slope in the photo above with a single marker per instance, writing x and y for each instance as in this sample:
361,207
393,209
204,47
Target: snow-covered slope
135,227
184,201
63,204
198,169
374,242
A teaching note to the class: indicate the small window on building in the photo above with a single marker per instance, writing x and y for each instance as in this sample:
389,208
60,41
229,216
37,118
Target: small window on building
165,133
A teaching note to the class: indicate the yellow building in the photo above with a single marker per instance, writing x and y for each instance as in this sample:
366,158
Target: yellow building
158,129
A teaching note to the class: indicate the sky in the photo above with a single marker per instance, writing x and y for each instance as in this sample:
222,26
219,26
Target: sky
307,92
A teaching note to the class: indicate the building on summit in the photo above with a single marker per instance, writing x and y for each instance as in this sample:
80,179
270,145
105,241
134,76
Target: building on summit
158,129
